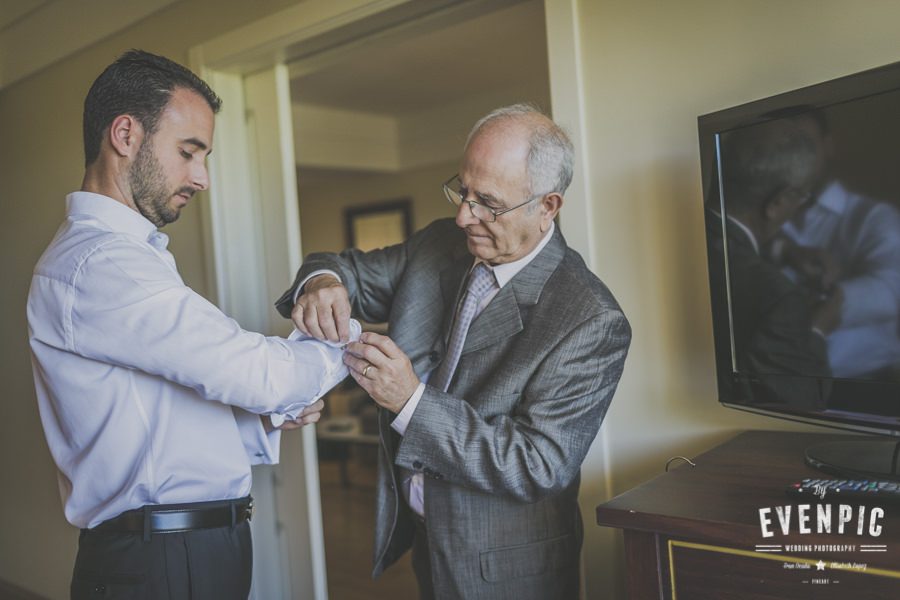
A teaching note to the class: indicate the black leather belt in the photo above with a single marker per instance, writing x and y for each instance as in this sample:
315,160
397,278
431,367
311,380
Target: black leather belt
174,518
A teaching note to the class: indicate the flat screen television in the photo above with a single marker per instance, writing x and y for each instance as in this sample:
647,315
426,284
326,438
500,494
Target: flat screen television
802,208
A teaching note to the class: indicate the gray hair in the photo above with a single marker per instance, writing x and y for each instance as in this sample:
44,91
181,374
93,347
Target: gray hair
760,160
550,154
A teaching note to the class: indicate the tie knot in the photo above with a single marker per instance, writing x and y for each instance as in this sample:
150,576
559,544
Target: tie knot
158,240
481,281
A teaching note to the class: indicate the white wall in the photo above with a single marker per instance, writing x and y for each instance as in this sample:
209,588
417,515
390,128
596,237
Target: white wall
650,69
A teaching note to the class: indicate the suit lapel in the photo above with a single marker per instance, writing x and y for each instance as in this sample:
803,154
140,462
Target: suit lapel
502,317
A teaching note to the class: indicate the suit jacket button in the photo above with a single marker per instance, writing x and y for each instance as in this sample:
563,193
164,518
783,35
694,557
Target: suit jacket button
434,356
417,464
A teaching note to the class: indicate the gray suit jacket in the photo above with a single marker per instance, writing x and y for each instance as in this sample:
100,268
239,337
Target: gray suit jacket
501,451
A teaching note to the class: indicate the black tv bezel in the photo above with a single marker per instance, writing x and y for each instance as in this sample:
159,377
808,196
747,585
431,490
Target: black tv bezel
829,93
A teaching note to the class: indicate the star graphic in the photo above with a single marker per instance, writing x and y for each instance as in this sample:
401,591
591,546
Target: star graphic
820,566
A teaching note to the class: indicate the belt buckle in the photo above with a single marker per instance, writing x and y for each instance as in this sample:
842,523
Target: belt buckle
249,510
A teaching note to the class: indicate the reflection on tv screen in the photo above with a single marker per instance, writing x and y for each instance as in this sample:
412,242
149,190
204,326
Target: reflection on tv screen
812,237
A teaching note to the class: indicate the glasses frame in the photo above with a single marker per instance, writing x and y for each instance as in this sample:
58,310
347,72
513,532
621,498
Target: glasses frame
452,195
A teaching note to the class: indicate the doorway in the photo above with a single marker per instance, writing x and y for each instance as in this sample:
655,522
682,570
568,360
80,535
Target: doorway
251,225
377,129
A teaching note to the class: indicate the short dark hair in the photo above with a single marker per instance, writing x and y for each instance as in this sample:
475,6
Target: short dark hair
139,84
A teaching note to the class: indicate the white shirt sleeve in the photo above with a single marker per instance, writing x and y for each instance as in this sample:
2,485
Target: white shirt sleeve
401,421
331,355
262,448
144,318
299,289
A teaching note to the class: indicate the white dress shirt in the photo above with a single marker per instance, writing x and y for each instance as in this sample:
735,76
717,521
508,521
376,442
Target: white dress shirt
414,489
147,392
863,235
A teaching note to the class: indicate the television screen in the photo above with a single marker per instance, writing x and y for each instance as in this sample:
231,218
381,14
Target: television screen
802,206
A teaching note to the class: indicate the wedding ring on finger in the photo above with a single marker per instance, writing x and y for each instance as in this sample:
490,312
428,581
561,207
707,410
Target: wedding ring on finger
365,372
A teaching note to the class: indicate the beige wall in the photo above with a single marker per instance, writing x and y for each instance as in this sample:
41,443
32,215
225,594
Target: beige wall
324,198
40,162
650,69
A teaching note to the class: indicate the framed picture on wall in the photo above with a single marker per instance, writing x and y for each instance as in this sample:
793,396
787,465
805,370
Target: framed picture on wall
379,224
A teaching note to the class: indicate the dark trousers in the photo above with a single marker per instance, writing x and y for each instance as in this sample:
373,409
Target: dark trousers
201,564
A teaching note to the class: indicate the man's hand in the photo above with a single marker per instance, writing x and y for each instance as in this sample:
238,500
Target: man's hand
310,414
381,368
815,265
323,309
826,314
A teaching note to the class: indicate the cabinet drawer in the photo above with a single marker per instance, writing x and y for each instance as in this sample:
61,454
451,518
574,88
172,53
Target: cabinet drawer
703,571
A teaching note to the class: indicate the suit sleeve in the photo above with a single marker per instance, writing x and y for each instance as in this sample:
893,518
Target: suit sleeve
371,278
538,448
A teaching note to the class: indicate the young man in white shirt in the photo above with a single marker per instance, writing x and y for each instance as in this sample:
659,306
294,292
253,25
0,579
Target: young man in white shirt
154,403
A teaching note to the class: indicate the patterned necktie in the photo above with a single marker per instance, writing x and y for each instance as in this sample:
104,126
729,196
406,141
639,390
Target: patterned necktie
481,281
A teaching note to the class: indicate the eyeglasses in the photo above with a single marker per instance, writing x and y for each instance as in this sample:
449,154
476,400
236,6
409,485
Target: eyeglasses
456,194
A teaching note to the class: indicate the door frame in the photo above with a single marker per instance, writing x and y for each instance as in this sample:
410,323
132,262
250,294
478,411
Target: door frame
237,234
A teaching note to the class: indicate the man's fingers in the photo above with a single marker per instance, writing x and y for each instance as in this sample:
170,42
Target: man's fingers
328,326
358,365
310,418
297,318
364,382
368,353
383,343
311,320
342,319
315,407
323,310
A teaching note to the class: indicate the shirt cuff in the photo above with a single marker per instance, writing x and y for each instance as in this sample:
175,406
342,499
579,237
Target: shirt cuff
262,448
401,421
329,355
299,289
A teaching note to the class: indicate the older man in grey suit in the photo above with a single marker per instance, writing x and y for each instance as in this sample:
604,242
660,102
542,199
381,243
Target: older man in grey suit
502,356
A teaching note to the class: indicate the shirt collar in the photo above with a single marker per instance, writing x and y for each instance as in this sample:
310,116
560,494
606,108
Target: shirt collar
112,213
503,273
834,198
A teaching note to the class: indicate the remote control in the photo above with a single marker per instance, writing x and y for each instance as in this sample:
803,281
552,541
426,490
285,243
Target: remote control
850,489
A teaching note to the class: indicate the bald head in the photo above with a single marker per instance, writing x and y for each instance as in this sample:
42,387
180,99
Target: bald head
549,154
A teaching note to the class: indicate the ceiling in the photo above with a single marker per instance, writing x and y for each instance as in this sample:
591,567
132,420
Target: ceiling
35,34
417,72
13,10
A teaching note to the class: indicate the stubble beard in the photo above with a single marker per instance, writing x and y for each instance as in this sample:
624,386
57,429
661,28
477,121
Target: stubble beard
148,188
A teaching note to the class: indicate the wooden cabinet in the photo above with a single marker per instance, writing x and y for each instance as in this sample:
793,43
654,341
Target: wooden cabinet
695,533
